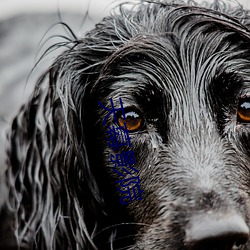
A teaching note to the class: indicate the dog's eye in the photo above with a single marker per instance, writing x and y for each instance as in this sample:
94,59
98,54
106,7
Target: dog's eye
243,113
134,121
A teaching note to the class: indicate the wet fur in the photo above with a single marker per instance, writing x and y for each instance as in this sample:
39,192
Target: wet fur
184,68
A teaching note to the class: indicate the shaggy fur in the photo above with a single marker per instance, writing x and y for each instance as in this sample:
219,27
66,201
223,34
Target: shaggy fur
184,69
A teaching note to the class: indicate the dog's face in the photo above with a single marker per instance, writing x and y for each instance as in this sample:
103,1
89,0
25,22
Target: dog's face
183,75
185,87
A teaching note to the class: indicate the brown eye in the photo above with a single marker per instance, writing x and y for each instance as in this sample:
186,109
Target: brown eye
134,121
243,113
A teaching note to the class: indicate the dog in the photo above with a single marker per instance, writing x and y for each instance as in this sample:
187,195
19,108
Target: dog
174,80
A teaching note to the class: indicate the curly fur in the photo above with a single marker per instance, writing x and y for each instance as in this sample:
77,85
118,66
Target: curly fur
184,67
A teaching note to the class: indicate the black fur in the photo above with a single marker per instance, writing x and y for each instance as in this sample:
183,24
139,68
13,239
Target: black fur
184,69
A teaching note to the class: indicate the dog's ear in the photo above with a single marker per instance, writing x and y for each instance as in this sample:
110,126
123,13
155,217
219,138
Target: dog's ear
52,190
47,172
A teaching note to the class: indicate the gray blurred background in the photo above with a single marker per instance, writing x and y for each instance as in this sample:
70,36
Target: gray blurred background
24,24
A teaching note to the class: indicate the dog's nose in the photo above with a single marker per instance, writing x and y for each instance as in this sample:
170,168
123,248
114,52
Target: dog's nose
216,232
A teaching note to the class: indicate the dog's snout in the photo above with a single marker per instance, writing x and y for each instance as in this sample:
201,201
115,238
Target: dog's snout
222,232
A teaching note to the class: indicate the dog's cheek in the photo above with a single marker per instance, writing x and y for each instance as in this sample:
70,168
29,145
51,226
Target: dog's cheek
239,137
244,139
147,151
146,156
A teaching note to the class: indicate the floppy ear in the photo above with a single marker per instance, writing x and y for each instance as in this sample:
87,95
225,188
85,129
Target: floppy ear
52,190
47,171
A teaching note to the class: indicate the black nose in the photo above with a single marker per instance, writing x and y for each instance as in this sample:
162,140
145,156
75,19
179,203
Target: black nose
217,232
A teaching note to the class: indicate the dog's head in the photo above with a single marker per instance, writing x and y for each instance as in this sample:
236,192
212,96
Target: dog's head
183,75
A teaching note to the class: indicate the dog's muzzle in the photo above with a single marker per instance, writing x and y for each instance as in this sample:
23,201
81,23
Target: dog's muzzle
217,232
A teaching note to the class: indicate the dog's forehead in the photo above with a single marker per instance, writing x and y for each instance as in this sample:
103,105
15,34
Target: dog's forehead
191,65
187,54
184,60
